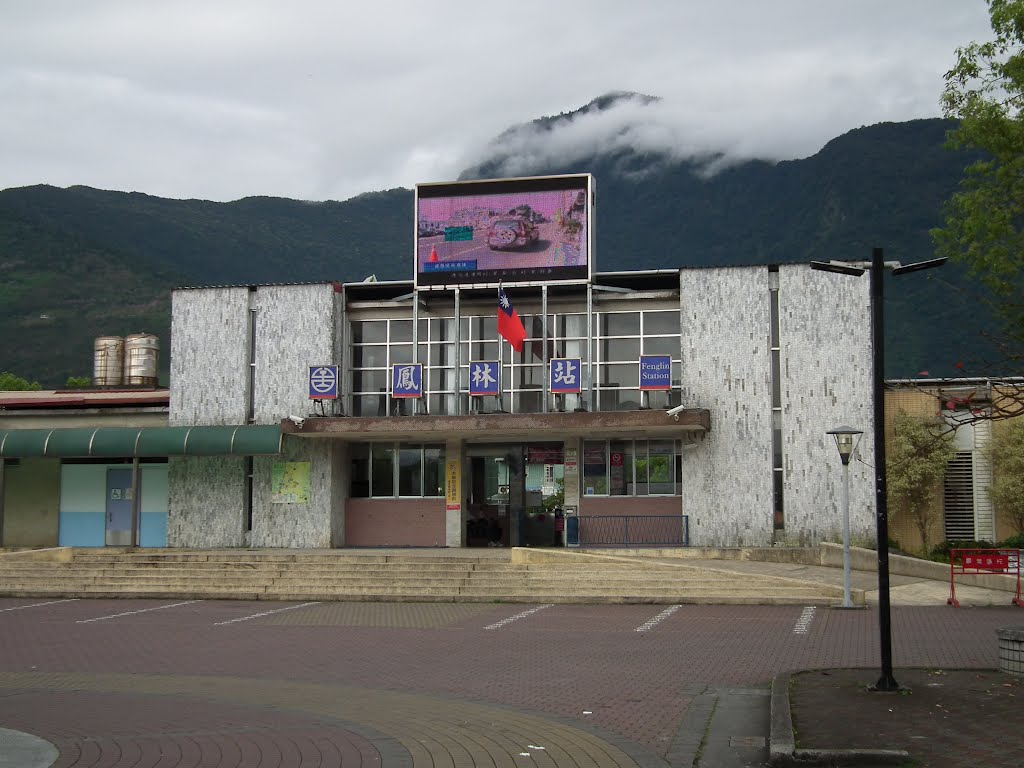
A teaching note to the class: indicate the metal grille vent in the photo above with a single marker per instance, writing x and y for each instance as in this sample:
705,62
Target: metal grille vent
958,495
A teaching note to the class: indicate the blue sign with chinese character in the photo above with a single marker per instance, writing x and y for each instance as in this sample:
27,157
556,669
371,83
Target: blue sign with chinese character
656,372
407,380
564,375
483,377
323,382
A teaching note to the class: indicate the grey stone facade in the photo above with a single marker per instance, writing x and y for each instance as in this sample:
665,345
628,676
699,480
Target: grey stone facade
241,355
824,325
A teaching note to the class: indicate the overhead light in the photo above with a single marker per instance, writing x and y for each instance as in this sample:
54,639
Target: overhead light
837,266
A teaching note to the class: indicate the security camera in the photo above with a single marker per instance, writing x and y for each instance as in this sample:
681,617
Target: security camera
674,412
298,421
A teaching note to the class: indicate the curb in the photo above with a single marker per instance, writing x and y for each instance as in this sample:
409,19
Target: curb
782,749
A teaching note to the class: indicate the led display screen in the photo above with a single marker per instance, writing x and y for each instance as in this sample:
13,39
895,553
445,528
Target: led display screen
514,230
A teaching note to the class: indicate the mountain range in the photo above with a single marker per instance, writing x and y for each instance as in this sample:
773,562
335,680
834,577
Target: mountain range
76,263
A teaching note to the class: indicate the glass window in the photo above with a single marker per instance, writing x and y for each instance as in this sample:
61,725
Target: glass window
620,468
370,331
662,345
383,480
433,471
595,468
613,350
360,481
410,477
621,375
370,405
369,381
401,353
661,322
401,330
620,324
570,326
370,357
660,465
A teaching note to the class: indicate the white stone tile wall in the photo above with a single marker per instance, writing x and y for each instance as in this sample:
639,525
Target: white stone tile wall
825,331
209,356
826,382
727,479
295,328
206,501
295,525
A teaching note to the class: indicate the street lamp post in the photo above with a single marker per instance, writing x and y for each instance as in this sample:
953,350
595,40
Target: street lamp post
886,682
846,441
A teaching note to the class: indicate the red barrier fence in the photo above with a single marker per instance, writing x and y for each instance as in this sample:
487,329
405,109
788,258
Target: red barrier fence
1004,561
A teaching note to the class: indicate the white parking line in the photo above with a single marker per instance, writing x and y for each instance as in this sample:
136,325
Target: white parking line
518,616
38,605
143,610
803,624
657,619
265,613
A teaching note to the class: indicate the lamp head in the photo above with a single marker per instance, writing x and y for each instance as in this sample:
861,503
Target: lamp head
846,441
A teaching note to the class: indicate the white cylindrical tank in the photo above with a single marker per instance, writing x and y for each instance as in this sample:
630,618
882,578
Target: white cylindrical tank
108,361
141,359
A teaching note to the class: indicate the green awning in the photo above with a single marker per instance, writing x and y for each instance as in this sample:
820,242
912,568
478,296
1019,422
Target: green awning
117,442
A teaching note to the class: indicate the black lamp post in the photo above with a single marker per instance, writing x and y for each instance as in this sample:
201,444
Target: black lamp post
886,682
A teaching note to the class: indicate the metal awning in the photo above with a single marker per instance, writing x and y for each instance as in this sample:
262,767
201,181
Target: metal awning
117,442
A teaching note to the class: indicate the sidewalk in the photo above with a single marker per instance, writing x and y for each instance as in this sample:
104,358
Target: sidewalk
940,718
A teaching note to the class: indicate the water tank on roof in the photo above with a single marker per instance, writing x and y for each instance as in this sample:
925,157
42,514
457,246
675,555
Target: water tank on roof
108,361
141,359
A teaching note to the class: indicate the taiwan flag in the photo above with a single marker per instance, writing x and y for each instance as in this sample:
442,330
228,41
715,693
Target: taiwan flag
510,327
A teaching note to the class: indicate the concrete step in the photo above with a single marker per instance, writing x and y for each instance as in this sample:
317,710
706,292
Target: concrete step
329,575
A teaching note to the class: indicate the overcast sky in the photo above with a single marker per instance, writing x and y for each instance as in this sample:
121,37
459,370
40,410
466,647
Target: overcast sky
325,99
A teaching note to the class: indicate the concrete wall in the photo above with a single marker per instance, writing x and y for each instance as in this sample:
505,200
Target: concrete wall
824,337
31,503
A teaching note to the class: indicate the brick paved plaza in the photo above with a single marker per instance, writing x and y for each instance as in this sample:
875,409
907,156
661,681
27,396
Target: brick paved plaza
217,683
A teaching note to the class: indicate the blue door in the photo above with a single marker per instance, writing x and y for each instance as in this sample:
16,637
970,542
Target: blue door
119,507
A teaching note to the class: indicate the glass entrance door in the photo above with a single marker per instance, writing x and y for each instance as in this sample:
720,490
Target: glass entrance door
516,492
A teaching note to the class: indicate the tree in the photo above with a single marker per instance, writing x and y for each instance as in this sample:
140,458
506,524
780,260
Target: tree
78,382
984,221
915,465
1007,490
11,383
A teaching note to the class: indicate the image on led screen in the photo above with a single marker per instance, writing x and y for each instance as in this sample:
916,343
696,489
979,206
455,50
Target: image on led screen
512,233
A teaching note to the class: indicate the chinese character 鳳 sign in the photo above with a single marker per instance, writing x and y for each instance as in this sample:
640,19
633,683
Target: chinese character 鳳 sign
655,372
407,380
483,378
564,375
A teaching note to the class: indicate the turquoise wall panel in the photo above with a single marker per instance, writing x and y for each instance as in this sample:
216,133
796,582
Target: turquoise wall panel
153,531
154,488
82,529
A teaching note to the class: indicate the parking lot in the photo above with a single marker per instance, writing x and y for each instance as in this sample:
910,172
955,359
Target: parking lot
133,682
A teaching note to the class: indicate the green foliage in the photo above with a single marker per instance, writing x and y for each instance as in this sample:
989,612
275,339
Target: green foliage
11,383
984,221
1007,489
940,552
1014,542
78,382
915,465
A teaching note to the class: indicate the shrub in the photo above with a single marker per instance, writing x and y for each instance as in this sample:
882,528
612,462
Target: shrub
940,551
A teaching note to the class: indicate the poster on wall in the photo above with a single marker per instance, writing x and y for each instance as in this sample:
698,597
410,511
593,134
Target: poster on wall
289,482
